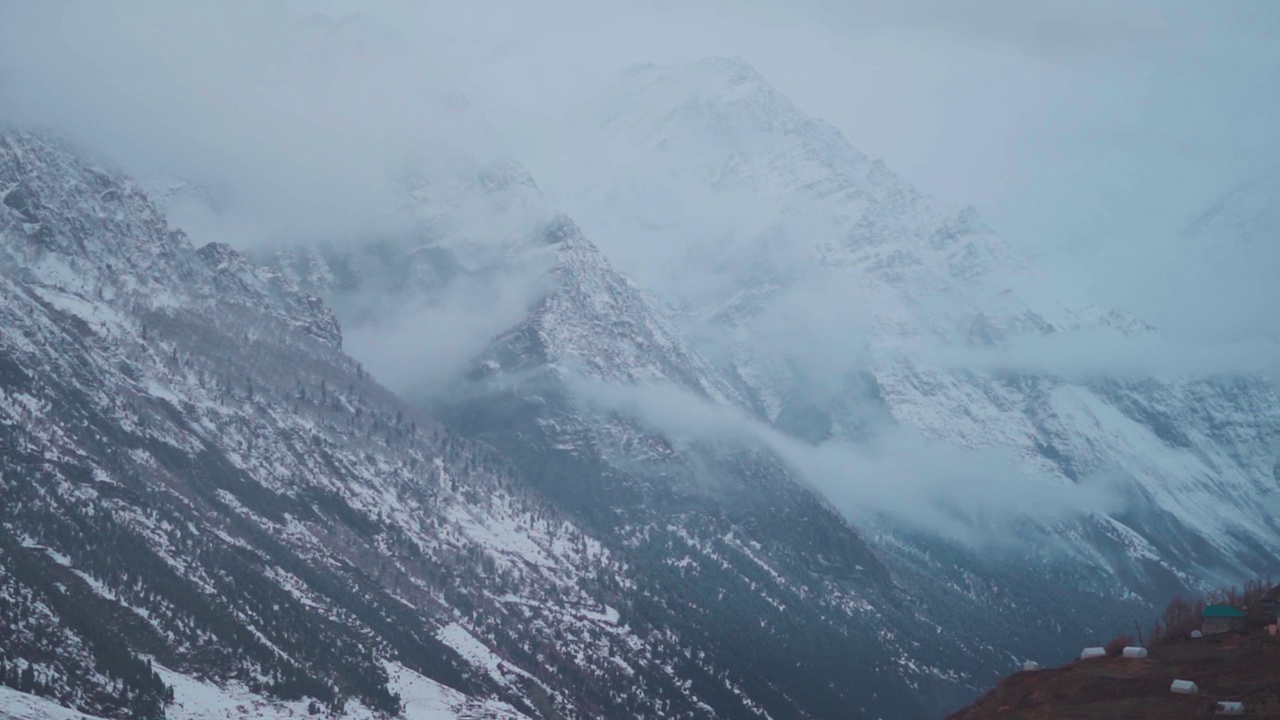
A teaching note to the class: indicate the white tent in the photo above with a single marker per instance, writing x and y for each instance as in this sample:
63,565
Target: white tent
1092,652
1196,634
1184,687
1226,707
1030,666
1135,652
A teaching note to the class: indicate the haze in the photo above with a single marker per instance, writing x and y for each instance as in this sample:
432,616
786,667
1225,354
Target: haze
1090,136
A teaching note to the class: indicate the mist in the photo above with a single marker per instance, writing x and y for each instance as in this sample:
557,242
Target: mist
300,123
1089,135
981,498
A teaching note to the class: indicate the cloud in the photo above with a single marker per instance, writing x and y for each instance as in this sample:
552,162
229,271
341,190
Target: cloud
980,497
1001,103
302,123
421,347
821,330
1092,124
1085,131
284,124
1101,352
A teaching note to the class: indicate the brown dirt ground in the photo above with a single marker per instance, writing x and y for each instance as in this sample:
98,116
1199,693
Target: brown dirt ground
1234,666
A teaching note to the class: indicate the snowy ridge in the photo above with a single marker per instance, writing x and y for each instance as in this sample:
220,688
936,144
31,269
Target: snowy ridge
190,459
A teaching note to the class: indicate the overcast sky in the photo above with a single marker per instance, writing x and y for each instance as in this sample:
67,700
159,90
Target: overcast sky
1052,117
1041,113
1088,130
1138,106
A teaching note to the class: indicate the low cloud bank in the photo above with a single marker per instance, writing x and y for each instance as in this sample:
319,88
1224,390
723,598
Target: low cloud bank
1093,353
421,348
977,497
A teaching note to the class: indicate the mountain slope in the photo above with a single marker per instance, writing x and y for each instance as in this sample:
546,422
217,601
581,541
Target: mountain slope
789,611
202,494
728,550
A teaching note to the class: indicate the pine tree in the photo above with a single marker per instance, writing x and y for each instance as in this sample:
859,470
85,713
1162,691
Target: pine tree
27,681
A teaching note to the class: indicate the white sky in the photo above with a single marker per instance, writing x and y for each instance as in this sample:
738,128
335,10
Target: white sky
1088,130
1044,114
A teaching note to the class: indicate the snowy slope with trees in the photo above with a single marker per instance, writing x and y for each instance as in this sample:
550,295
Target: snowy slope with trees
202,494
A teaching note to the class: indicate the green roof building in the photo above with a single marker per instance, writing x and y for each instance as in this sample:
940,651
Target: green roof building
1218,619
1222,611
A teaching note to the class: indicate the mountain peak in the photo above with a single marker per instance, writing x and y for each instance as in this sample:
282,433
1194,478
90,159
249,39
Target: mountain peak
1247,215
709,69
731,71
724,96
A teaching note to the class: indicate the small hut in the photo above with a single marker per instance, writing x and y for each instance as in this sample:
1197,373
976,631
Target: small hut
1135,652
1228,707
1196,634
1217,619
1184,687
1093,652
1030,666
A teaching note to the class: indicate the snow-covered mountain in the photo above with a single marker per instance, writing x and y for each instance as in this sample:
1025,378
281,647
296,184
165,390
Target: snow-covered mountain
726,545
208,505
209,508
940,333
652,428
1229,257
830,456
